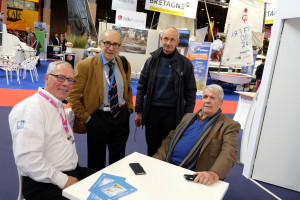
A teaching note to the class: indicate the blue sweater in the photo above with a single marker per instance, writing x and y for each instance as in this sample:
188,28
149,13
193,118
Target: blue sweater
164,90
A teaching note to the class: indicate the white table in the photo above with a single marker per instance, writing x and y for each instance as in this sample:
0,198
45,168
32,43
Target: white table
163,181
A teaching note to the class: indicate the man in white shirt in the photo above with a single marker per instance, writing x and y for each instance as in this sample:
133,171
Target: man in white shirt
43,141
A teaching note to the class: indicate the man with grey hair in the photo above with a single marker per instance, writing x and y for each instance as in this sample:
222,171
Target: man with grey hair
43,141
102,101
205,141
166,90
28,38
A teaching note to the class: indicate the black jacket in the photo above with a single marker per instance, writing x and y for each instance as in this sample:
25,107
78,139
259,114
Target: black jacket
259,71
185,84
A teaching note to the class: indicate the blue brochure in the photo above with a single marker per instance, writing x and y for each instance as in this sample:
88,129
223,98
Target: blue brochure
105,179
93,197
114,190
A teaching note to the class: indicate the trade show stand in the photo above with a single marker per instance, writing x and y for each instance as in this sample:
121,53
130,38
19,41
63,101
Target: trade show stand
161,181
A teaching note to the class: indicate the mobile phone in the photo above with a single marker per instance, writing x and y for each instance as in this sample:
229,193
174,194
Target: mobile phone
189,177
137,168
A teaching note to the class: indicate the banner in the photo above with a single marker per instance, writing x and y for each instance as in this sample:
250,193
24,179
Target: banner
249,69
238,47
40,36
124,4
41,26
131,19
270,13
184,8
199,54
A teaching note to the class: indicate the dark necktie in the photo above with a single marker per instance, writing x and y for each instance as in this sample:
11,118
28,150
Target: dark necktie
114,102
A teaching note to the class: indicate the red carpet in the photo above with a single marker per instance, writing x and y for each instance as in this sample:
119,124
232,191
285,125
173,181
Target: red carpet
10,97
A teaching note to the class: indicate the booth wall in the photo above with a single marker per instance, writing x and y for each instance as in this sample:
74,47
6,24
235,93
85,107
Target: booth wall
272,147
276,161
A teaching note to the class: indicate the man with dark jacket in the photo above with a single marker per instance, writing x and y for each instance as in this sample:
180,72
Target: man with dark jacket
258,73
166,90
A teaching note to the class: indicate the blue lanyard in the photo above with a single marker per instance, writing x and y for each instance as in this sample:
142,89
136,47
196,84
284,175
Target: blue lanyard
112,77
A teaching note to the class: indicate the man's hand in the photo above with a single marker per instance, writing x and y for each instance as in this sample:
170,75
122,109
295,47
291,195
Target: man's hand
71,180
138,119
207,177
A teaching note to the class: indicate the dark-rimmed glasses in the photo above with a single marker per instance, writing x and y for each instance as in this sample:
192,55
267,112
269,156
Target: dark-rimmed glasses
107,44
62,79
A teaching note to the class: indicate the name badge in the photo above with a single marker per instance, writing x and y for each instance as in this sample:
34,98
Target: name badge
106,108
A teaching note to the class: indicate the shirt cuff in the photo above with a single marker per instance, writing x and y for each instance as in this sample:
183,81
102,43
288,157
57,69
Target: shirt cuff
88,120
60,179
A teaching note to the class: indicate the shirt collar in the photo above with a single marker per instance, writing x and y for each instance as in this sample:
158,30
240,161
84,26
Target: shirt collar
105,61
58,102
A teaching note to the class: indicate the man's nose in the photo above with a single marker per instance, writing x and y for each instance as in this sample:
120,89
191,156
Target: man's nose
111,47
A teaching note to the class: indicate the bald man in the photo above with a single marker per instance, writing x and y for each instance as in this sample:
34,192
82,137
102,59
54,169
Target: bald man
166,90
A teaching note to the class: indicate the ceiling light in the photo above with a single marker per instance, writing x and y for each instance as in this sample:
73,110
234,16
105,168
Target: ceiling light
222,1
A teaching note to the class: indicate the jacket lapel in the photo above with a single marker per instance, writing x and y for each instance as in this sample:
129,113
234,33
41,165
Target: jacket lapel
98,69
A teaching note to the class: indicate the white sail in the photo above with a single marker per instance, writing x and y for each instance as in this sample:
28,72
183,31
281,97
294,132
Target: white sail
238,48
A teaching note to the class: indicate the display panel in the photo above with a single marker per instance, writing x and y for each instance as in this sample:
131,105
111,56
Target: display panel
184,36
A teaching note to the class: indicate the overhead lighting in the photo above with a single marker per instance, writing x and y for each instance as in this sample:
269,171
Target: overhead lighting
222,1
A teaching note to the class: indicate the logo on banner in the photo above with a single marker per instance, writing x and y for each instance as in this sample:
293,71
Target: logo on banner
245,17
69,58
186,8
130,19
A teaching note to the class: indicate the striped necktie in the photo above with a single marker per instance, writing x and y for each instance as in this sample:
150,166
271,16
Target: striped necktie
114,102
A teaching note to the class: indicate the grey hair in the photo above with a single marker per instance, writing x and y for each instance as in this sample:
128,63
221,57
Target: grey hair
173,27
110,30
52,66
216,88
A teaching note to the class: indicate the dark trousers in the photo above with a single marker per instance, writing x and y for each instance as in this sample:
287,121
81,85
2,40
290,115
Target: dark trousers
33,190
160,121
105,131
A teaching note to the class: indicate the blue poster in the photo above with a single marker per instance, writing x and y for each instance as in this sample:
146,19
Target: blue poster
249,69
199,54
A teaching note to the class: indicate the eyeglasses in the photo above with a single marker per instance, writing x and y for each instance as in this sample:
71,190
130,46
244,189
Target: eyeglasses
62,79
172,40
108,44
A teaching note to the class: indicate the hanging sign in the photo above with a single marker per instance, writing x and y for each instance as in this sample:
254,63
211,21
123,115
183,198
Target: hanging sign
238,47
184,8
130,19
124,4
199,54
270,13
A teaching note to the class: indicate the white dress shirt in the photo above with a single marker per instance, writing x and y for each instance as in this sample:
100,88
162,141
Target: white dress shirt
40,145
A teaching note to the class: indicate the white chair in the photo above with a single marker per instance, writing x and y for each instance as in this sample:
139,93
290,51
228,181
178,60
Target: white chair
136,75
30,64
10,65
